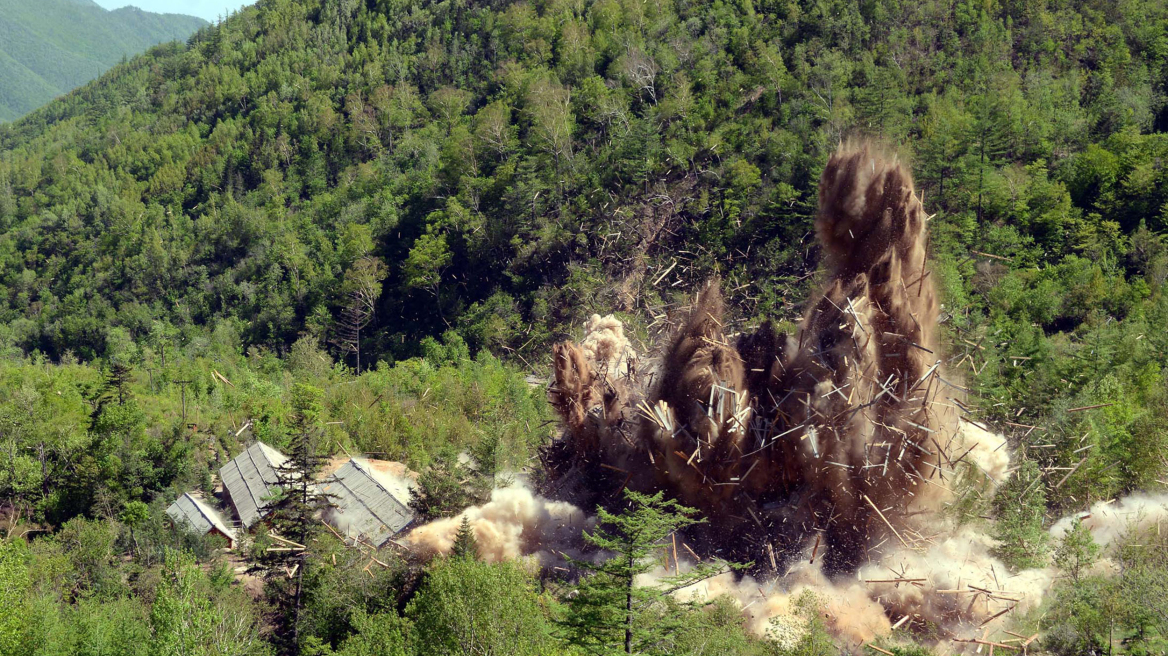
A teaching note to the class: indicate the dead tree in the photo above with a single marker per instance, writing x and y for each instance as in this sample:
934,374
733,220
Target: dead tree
362,289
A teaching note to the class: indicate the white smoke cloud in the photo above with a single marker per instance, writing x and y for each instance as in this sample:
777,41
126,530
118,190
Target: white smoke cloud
516,522
1108,521
606,346
949,581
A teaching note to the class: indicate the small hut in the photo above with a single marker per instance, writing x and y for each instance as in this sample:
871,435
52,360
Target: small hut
370,500
250,480
190,511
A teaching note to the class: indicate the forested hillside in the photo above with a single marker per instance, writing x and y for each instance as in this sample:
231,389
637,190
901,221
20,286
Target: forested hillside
505,170
404,203
50,47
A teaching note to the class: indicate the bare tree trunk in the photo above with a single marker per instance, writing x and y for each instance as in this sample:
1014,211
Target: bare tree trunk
296,612
629,611
980,179
44,471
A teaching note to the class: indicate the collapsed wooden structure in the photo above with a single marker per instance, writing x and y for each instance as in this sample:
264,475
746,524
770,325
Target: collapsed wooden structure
190,511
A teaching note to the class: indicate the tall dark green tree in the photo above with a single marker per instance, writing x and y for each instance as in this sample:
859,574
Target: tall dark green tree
1076,552
447,486
465,543
293,521
610,613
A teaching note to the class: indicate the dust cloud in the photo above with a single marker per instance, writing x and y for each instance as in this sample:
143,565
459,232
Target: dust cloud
827,457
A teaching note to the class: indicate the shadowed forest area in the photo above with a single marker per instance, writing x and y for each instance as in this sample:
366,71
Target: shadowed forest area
368,221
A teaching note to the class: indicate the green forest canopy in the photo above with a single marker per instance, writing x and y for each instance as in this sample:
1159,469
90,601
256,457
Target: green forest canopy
365,175
520,164
505,169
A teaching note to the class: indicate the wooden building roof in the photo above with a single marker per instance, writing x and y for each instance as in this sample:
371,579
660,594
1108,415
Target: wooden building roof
250,480
369,502
190,511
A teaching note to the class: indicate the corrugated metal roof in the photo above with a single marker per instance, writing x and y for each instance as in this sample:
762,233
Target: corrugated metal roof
367,502
198,516
250,478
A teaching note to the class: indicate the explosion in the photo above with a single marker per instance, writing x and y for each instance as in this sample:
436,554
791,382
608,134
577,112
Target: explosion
825,457
514,523
842,431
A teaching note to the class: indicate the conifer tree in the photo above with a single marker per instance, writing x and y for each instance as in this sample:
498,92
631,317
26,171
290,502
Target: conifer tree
294,514
465,544
1076,552
115,389
447,486
610,614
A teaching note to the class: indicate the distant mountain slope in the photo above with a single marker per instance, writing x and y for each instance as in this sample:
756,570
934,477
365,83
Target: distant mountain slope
50,47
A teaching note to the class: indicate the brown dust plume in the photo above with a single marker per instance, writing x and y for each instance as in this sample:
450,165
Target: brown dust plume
835,431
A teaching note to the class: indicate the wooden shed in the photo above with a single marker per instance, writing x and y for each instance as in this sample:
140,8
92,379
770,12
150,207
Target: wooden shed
250,481
370,502
190,511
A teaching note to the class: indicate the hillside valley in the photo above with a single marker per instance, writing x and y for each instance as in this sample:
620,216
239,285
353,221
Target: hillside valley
517,247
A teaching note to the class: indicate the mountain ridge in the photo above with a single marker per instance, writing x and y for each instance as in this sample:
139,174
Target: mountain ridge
61,44
367,222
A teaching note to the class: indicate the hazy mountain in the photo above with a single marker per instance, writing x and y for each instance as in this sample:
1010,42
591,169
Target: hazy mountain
50,47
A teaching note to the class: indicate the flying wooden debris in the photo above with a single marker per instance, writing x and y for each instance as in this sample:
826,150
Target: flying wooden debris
1091,407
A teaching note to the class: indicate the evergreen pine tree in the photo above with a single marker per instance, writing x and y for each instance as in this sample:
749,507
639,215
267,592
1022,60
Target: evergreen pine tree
447,486
118,381
1076,552
115,388
610,614
294,515
465,544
